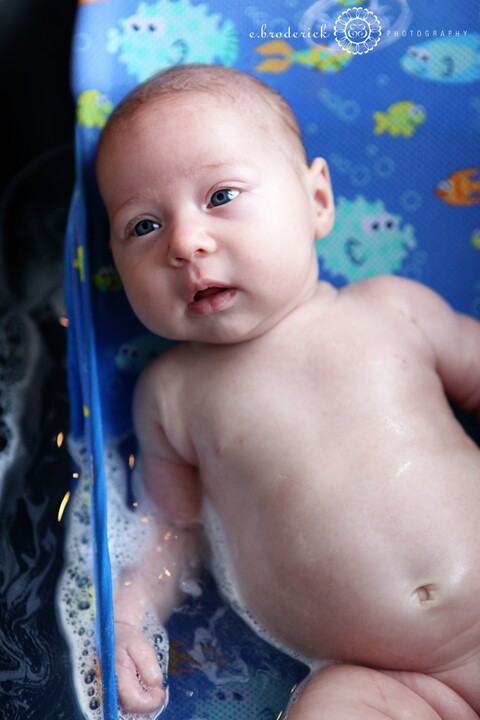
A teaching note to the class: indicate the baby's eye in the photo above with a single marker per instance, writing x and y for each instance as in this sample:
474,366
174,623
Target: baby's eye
144,227
222,197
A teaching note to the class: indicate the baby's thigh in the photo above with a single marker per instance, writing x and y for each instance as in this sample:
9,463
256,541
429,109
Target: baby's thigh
351,692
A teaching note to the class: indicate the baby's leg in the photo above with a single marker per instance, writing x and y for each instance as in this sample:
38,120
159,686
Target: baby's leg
351,692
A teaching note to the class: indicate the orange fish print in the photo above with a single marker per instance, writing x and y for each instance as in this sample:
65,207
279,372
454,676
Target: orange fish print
180,660
280,56
461,188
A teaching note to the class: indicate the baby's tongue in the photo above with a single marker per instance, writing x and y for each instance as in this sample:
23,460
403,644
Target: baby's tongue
206,293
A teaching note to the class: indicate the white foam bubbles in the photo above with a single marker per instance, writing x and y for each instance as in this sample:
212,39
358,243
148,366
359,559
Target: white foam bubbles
127,532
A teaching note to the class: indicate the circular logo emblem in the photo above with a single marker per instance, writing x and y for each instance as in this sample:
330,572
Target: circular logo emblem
357,30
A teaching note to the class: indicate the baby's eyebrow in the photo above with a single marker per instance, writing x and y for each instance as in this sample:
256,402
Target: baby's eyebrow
228,164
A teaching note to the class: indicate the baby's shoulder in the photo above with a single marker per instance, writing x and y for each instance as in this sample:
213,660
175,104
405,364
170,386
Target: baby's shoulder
380,285
166,368
389,292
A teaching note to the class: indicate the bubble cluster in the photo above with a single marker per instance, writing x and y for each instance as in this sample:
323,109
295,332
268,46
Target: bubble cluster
76,597
382,167
345,109
76,602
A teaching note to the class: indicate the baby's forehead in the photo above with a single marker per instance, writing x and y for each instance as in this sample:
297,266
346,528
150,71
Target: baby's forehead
248,108
255,111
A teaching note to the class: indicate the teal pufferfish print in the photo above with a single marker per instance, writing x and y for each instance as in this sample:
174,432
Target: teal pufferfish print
165,33
366,240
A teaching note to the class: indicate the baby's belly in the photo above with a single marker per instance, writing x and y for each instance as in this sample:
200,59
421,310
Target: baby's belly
382,575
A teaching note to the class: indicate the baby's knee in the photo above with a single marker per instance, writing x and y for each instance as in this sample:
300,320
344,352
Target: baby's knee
328,695
352,692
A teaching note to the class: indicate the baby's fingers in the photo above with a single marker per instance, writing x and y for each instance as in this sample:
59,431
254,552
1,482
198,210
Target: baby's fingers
140,681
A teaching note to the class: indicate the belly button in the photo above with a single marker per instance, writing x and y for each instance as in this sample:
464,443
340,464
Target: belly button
425,594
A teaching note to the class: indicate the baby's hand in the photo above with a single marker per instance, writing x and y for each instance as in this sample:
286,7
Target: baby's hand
140,682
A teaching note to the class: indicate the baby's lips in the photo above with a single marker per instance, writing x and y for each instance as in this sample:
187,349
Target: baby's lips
212,299
202,289
207,292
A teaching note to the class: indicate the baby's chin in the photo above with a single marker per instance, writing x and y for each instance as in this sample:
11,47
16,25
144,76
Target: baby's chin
212,333
228,327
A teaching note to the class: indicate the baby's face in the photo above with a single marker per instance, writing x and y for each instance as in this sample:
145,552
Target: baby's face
212,225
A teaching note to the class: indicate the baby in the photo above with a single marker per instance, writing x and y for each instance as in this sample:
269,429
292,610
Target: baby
314,421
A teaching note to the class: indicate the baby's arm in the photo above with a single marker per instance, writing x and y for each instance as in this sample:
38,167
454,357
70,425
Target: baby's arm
168,479
153,586
453,337
155,583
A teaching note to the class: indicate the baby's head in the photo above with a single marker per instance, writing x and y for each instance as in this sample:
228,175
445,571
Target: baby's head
213,208
248,95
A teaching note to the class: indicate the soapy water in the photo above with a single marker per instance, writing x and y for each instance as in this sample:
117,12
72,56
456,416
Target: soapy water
17,369
127,531
36,666
34,476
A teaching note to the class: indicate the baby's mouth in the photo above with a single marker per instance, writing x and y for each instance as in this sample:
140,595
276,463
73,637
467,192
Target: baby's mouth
207,292
211,298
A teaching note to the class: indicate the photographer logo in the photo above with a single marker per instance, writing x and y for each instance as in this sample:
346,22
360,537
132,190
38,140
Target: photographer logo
357,31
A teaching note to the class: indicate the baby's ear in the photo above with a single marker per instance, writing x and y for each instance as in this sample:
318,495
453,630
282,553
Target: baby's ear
322,197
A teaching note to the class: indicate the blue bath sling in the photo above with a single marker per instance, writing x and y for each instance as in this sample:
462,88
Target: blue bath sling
395,110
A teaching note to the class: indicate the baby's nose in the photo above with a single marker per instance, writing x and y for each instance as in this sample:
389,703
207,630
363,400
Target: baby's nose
187,241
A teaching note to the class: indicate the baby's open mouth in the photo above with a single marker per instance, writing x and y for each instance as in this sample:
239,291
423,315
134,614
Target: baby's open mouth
211,299
208,292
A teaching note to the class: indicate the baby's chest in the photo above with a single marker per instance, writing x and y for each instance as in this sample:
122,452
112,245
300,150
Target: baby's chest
273,413
324,376
292,404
